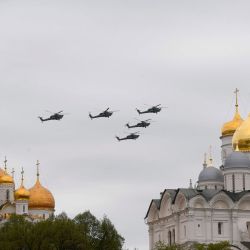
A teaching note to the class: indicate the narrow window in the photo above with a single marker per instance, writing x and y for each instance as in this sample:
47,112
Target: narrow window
215,187
23,208
185,231
169,238
205,187
173,236
220,228
233,181
244,182
7,194
43,216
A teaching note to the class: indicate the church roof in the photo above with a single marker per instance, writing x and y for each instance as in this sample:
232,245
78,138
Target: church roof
190,193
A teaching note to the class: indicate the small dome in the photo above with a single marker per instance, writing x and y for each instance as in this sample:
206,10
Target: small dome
41,197
237,160
241,138
211,174
6,178
22,193
230,127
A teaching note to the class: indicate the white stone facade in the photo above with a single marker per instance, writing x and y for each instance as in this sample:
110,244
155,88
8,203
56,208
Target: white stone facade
218,209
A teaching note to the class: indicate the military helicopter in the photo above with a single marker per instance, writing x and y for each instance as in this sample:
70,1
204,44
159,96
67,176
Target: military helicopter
106,113
154,109
132,136
56,116
141,124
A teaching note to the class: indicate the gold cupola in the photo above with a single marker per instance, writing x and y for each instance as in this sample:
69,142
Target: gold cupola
230,127
22,193
40,197
241,138
5,178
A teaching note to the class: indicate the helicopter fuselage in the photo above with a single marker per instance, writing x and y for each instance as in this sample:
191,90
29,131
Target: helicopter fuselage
142,124
106,114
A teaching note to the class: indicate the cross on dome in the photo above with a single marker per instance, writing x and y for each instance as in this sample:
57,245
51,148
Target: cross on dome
13,172
37,169
236,101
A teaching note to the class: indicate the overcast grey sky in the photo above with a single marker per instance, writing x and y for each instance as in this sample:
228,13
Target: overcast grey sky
81,56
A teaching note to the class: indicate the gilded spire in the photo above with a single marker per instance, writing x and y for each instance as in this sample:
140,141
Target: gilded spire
37,169
210,156
205,160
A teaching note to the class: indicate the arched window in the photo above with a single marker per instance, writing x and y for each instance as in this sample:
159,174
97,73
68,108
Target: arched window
7,194
169,238
244,182
185,231
23,208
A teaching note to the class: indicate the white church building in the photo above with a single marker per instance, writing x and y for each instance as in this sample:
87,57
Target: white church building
218,207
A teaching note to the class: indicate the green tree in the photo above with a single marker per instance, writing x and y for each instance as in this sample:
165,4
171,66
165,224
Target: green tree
84,232
90,228
110,239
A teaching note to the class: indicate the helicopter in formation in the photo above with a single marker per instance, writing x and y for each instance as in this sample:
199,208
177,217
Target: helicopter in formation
56,116
132,136
106,113
141,124
155,109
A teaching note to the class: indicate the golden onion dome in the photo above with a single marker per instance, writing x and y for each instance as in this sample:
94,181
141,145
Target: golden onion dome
230,127
241,138
22,193
6,179
41,197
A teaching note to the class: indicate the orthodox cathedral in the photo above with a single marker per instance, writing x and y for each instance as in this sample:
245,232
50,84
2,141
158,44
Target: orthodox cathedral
36,203
218,207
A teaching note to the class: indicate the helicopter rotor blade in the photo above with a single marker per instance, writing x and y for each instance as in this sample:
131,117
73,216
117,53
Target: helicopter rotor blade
115,111
157,105
59,112
49,111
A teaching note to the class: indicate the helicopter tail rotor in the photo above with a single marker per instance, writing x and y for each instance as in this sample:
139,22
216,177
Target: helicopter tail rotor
41,119
127,125
91,117
139,112
118,138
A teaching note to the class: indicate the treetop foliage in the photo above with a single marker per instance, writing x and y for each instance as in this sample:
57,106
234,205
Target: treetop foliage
84,232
